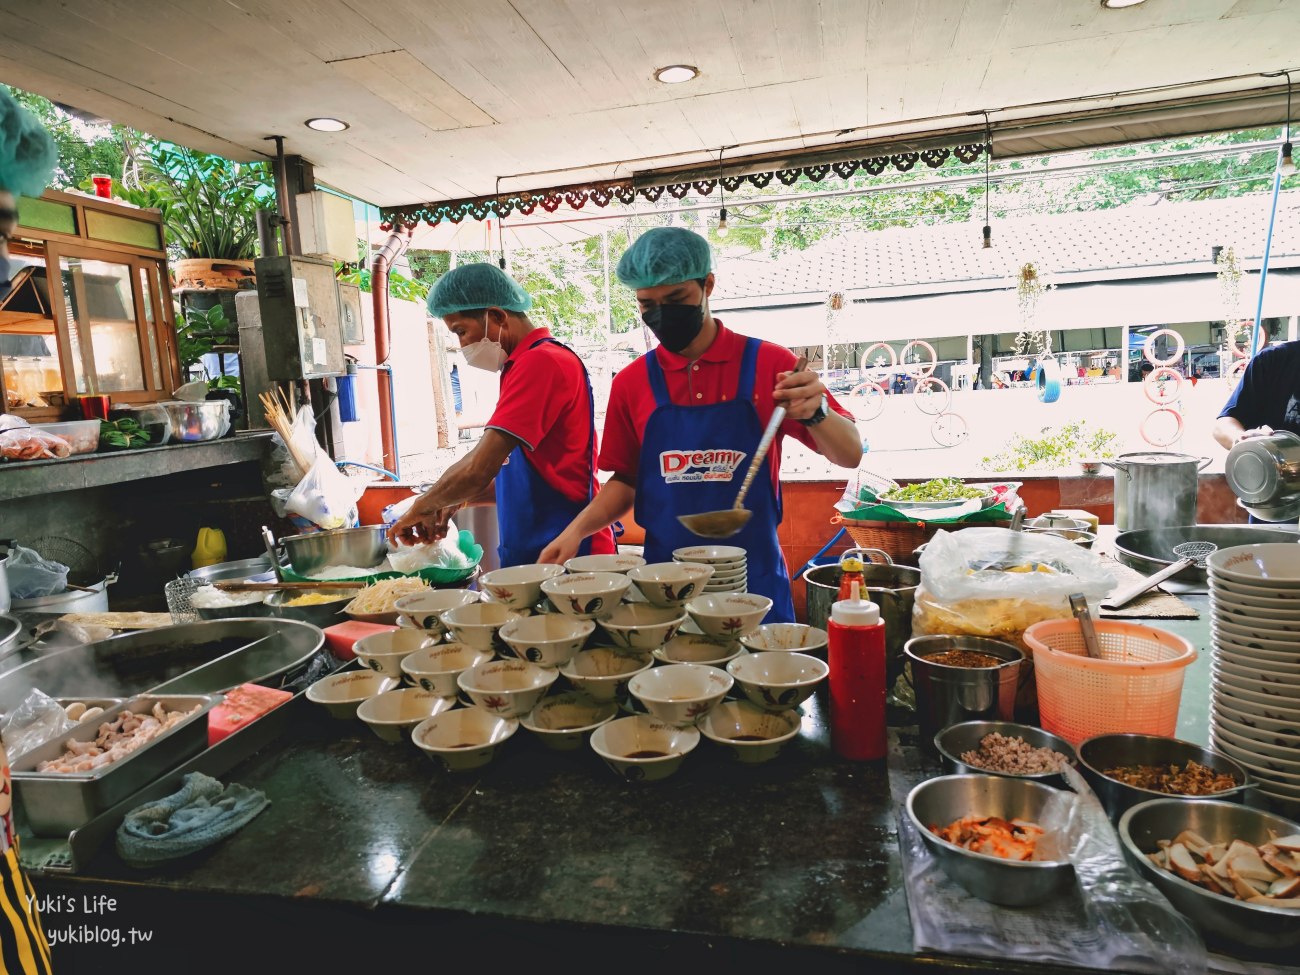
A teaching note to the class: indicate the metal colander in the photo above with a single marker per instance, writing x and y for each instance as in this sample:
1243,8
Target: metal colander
178,593
82,565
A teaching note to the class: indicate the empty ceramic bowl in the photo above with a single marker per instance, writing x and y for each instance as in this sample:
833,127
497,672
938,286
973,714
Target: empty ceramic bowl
695,648
477,624
506,687
602,672
587,595
436,668
603,563
561,721
393,714
341,694
384,652
787,636
670,583
680,693
728,616
750,734
778,680
519,586
642,748
465,738
549,640
637,626
422,609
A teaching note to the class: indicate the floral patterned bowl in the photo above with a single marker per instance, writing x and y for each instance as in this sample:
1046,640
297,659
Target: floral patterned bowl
550,640
436,668
562,721
507,688
587,595
729,616
478,624
518,586
384,652
641,627
750,734
679,693
778,680
602,672
463,739
670,583
642,748
422,609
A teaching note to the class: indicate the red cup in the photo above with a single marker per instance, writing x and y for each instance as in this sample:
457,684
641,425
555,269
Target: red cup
94,407
103,185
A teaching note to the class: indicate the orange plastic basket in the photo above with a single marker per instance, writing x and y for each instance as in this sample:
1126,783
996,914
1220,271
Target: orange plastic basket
1135,687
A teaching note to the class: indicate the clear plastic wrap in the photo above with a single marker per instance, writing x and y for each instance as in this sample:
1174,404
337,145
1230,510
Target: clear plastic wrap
32,576
326,497
1111,918
997,583
34,722
443,554
24,443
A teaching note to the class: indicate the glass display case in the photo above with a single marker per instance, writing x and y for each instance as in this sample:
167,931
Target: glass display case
88,310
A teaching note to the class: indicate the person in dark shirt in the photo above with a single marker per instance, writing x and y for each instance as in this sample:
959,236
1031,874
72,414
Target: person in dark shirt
1266,400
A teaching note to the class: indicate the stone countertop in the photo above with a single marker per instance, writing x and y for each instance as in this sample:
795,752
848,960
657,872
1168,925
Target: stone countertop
793,861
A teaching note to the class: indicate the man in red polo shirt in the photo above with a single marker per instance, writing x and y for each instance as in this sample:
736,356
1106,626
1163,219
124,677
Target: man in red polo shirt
685,419
539,445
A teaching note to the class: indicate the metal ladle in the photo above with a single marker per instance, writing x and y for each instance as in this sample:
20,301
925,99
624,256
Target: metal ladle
729,521
1189,554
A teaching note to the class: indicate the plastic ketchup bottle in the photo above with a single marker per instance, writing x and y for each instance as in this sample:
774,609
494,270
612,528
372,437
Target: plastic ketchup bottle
856,655
852,570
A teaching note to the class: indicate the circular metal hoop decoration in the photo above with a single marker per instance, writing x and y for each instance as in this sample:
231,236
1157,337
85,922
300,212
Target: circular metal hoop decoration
926,369
929,391
1155,441
870,367
867,401
1149,347
949,429
1157,389
1240,351
1237,368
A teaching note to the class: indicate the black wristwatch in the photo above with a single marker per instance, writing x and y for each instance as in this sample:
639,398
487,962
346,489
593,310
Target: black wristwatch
823,411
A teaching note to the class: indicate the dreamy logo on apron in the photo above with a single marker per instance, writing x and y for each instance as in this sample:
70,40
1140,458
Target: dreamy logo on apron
681,466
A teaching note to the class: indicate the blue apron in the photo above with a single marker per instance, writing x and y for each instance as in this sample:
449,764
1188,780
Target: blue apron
681,447
531,513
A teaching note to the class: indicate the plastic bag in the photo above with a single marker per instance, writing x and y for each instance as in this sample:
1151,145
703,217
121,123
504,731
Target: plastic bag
997,583
443,554
283,472
392,513
10,422
326,497
34,722
24,443
31,576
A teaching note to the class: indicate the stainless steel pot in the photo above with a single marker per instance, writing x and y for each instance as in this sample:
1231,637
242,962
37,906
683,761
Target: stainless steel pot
363,547
69,601
1155,489
891,587
1151,551
1264,474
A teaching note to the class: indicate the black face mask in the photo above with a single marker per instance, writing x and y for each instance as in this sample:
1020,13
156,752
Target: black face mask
675,326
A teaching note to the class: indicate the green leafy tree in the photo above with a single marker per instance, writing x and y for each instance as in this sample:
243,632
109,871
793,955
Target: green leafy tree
83,149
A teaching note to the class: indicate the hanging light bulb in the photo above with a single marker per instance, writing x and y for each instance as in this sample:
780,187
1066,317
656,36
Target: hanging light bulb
988,152
723,230
1287,164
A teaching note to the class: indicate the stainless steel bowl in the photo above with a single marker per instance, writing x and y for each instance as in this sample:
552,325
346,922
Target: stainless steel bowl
1112,751
233,571
242,611
1255,926
1012,883
190,422
1083,539
318,614
363,547
957,739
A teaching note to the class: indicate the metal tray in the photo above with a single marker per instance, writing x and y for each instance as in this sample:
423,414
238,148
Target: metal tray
985,499
1152,549
56,803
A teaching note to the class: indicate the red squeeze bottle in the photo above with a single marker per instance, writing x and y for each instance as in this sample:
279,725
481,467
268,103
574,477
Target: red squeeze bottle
856,655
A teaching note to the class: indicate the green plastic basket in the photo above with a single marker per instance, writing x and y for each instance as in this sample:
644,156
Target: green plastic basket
437,576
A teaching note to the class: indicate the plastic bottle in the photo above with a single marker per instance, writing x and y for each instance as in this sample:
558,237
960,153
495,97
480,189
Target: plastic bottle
210,548
856,654
852,570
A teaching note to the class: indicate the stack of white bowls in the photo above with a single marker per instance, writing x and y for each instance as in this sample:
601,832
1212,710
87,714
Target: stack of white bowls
1255,687
730,569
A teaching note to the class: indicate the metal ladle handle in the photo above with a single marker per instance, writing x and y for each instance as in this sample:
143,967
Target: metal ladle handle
765,442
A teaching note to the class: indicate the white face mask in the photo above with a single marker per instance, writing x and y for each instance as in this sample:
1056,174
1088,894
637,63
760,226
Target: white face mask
486,353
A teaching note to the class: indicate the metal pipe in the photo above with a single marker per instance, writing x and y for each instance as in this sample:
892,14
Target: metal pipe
284,198
384,258
387,373
1263,267
266,241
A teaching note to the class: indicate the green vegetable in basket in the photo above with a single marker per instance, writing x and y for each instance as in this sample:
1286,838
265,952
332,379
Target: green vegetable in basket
940,489
122,434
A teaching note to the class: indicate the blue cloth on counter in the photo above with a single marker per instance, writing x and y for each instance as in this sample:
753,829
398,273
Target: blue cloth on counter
203,812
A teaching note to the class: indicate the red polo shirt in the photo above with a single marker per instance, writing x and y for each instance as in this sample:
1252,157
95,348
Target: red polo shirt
713,378
545,403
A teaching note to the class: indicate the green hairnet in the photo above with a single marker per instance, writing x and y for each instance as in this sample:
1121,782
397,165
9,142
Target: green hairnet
665,255
473,286
27,156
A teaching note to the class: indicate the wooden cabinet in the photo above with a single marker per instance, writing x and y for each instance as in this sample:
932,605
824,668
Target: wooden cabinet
90,309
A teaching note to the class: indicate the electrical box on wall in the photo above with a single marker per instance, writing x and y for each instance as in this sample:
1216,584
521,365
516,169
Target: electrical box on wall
327,226
354,332
302,322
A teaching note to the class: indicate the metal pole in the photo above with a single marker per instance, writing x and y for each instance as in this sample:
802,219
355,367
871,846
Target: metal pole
1263,268
284,198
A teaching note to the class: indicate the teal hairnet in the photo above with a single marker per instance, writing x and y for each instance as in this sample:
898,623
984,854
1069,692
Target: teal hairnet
473,286
27,155
665,255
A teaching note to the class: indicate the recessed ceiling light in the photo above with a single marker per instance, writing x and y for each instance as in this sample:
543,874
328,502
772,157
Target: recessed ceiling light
326,124
675,74
1120,4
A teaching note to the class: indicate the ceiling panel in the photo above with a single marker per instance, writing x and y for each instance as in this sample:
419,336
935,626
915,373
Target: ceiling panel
445,96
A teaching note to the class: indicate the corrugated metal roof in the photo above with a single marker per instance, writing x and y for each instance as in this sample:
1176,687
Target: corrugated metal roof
1120,243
